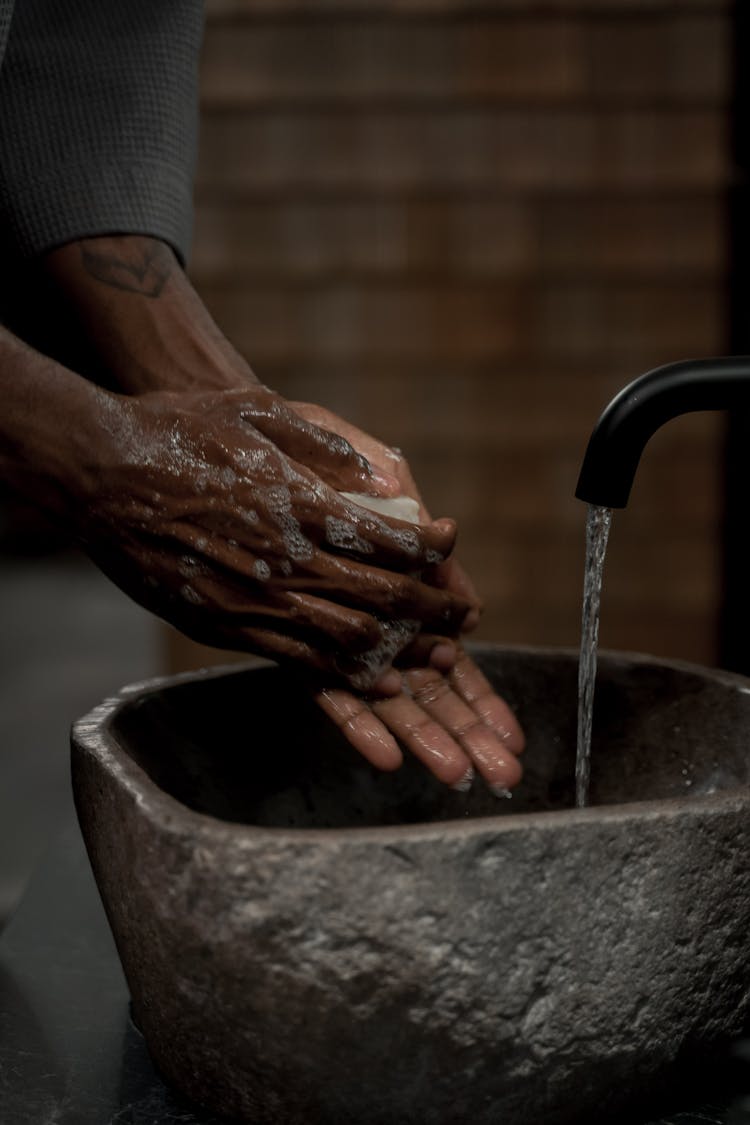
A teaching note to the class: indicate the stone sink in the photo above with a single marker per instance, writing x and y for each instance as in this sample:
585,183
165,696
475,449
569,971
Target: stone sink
309,942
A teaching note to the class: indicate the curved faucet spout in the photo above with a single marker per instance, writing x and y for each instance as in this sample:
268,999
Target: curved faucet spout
619,437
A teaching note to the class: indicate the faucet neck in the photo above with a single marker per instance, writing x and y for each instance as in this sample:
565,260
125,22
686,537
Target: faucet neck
620,435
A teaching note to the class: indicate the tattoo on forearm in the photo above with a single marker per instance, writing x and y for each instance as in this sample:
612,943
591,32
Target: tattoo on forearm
137,266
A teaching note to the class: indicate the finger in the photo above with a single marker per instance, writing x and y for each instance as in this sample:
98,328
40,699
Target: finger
360,727
450,575
388,683
347,628
428,650
351,529
363,670
474,687
376,452
322,622
345,582
276,644
356,647
305,509
192,619
425,738
384,593
328,454
261,641
437,698
286,647
321,516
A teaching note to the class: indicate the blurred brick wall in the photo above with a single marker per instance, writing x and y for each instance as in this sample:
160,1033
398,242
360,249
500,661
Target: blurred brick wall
464,226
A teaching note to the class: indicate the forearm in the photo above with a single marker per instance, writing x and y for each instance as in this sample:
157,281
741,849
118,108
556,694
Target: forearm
48,421
148,326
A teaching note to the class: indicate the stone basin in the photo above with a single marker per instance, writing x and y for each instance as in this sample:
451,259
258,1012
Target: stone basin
310,942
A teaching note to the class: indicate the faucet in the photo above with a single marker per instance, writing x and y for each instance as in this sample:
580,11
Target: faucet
640,408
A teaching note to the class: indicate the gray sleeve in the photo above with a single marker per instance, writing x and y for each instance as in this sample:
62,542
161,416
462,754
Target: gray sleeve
6,12
98,121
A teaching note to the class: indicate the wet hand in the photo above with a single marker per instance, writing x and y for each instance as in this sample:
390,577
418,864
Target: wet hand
449,574
452,721
152,332
447,713
201,507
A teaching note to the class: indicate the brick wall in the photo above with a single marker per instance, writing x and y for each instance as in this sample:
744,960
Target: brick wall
464,226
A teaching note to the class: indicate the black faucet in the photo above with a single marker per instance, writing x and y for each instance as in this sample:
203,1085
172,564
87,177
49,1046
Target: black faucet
619,437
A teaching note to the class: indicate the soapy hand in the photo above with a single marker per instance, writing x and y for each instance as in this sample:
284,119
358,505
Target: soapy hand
202,508
449,574
447,713
151,332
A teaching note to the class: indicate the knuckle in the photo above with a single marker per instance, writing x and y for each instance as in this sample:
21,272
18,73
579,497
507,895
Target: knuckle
339,447
430,692
468,727
426,727
353,724
362,636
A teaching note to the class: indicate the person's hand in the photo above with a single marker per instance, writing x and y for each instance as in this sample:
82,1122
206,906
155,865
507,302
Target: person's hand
447,714
151,331
202,507
449,574
453,722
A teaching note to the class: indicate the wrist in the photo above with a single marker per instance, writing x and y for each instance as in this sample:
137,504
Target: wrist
148,326
50,427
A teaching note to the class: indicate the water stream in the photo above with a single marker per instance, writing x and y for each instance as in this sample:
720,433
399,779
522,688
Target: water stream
597,533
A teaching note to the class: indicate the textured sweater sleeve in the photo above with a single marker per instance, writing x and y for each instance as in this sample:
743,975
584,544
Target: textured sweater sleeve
98,121
6,12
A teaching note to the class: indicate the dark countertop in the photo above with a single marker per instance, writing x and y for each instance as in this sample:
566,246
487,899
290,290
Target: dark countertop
69,1054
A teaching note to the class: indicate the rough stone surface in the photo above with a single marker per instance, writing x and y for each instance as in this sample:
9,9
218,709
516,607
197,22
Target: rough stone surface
309,941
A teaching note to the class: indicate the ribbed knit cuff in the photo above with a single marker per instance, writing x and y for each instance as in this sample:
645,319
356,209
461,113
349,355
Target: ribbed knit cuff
80,201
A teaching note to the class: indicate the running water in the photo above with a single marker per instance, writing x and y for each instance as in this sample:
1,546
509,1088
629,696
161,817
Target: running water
597,533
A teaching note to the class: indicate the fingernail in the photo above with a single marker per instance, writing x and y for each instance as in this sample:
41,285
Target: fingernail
463,785
385,480
443,656
500,791
470,621
389,683
445,525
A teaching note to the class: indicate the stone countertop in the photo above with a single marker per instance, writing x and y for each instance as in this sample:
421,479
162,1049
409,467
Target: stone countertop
69,1054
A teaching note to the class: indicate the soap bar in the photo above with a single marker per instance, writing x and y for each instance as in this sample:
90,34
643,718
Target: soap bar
399,507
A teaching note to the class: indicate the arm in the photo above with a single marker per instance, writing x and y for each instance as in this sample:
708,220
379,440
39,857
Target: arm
151,328
188,502
89,150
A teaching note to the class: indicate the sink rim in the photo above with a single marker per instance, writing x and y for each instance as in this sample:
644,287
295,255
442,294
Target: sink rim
94,734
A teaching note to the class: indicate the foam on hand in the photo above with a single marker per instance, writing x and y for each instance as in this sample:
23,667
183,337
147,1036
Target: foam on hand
398,507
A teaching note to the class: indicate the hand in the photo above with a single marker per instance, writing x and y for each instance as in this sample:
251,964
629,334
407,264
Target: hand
152,331
452,722
449,574
197,506
447,713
